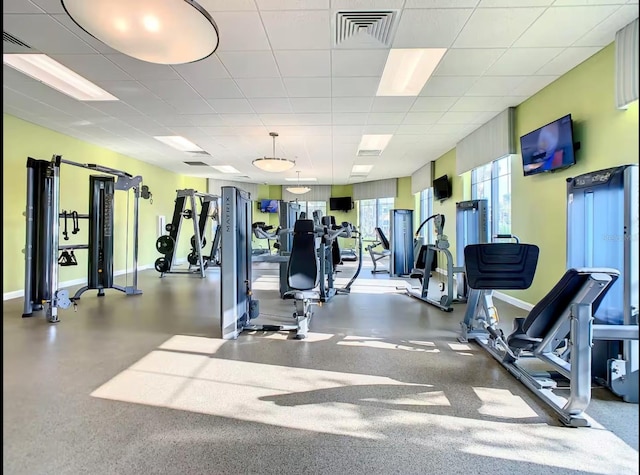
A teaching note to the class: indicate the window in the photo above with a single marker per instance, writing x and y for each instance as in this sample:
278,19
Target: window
426,210
308,207
493,183
373,214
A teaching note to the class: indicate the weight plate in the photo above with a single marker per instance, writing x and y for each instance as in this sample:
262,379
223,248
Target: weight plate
161,264
165,244
193,242
192,258
187,214
169,227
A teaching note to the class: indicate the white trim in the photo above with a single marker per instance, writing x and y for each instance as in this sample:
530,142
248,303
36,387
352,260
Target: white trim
513,301
70,283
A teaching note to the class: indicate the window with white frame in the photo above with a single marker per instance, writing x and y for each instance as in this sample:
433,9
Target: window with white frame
426,210
493,183
374,213
308,207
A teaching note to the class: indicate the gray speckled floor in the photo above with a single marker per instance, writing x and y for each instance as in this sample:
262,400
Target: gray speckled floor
137,385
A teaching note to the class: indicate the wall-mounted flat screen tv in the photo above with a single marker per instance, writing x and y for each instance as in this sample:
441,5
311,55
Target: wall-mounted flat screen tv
548,148
268,206
344,203
442,188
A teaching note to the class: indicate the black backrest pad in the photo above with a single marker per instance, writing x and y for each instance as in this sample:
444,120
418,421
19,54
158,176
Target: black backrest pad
546,312
302,271
383,238
497,266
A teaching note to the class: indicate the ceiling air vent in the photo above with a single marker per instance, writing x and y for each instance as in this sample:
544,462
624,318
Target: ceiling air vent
369,153
364,26
197,164
199,152
9,38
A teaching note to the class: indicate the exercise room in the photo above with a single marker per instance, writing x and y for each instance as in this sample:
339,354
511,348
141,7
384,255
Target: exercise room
320,237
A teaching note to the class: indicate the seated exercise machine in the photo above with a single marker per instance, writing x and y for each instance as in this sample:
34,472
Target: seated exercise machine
558,332
263,231
381,240
167,245
42,274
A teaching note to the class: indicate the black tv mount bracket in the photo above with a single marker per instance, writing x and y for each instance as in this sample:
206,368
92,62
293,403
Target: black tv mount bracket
576,146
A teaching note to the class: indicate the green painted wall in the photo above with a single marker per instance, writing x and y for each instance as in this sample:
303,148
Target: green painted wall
608,137
404,199
23,139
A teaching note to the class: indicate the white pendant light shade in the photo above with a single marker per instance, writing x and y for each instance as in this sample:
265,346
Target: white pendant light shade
273,164
157,31
298,190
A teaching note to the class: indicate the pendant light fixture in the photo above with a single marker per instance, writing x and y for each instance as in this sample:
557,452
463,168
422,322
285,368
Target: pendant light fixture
298,190
156,31
273,164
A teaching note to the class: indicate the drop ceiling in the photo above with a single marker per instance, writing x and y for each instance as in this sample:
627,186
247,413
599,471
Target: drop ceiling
283,67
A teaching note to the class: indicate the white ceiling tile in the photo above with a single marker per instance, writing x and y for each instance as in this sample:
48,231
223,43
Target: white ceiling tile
152,107
392,104
313,119
433,104
241,119
564,3
231,106
495,85
311,104
44,34
191,106
221,131
271,105
271,120
522,61
250,64
430,28
567,60
94,67
241,31
531,85
467,62
605,32
349,118
262,87
308,87
507,24
171,90
315,63
358,62
205,120
385,118
142,69
340,130
380,129
477,104
411,129
191,133
351,104
365,86
514,3
216,88
225,5
465,117
209,67
66,21
562,26
448,86
125,90
422,118
19,6
366,4
172,120
441,3
298,29
292,4
113,108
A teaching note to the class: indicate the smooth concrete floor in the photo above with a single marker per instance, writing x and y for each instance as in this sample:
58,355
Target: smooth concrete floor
143,385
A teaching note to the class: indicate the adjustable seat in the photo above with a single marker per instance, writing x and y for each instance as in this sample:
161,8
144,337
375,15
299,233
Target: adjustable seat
377,255
261,231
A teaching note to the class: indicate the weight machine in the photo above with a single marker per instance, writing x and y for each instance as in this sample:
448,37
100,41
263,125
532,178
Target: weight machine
43,241
168,244
472,227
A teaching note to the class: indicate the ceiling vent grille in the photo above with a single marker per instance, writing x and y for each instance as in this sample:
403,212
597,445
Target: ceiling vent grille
379,25
9,38
369,153
199,152
197,164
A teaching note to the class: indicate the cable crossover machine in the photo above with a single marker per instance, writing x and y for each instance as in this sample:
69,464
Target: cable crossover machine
43,242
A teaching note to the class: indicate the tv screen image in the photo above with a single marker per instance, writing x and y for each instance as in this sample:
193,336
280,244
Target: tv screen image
441,188
269,206
341,204
548,148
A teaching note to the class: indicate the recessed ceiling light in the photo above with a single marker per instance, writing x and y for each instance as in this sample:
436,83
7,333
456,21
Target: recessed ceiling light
407,70
48,71
178,142
373,145
361,168
225,169
301,179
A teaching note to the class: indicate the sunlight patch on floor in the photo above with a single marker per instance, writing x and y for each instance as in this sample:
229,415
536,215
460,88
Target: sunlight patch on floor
503,403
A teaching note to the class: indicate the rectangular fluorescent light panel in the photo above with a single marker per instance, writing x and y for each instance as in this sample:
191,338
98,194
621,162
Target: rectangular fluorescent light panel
301,179
361,168
407,70
373,142
225,169
179,143
48,71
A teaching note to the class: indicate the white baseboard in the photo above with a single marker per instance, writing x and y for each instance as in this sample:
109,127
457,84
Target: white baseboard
513,301
70,283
